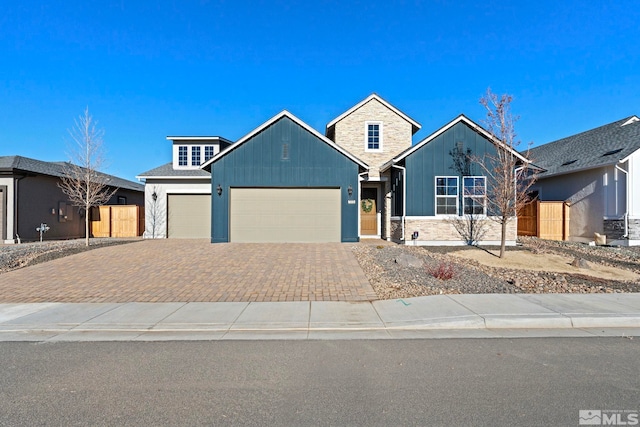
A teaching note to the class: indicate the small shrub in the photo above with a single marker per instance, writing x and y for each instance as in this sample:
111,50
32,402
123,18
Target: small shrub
442,271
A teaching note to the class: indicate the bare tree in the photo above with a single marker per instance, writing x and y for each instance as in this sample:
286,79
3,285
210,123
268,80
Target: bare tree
156,214
85,186
509,174
472,225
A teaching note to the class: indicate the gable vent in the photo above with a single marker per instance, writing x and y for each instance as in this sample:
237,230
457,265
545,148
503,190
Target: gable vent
569,162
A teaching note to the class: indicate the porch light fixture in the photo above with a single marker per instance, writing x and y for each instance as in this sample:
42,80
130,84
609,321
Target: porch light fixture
350,191
154,196
219,190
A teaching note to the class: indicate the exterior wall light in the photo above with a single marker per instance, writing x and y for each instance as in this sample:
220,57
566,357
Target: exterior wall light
154,196
219,190
350,191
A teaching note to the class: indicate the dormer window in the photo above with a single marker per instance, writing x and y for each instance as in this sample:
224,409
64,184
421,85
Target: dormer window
195,155
183,156
208,152
373,136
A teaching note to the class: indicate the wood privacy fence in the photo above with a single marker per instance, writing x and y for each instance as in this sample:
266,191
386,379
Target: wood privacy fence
117,221
546,220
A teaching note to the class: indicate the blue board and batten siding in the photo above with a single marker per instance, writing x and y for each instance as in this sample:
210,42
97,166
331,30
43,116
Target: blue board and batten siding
435,159
283,155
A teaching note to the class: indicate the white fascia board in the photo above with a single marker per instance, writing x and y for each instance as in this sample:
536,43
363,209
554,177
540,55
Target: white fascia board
196,138
383,102
284,113
628,157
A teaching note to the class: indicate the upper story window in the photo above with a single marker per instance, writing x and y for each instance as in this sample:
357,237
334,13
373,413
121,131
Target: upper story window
183,156
474,193
446,195
195,155
373,136
208,152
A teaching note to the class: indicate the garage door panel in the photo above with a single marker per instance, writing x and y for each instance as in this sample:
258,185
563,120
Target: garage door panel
189,215
285,215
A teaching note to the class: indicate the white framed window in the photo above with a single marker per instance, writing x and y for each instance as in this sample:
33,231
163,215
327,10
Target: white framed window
183,155
373,136
446,195
208,152
195,155
474,192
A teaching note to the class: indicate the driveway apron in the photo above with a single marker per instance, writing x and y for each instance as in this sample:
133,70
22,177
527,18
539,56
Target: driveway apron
185,270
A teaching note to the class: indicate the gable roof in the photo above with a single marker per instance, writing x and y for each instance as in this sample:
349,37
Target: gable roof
415,126
13,164
603,146
167,171
207,165
460,119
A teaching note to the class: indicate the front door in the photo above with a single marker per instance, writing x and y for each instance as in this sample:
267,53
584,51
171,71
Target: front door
368,212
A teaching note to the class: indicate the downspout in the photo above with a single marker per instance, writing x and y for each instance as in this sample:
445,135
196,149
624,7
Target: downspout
15,206
404,196
626,202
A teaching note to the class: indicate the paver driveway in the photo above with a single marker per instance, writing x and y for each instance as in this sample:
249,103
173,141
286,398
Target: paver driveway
194,270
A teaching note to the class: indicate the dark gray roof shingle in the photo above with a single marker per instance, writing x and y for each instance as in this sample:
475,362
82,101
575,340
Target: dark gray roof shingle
168,171
57,169
602,146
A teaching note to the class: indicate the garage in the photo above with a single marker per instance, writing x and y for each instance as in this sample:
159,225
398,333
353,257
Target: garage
285,215
189,216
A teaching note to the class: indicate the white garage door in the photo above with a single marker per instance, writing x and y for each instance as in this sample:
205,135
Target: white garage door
189,216
285,215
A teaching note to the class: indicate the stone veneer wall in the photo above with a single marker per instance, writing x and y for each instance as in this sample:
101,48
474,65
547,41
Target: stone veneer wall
396,134
439,230
634,229
613,228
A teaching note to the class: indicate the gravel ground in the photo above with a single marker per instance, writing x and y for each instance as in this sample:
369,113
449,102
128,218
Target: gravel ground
17,256
391,280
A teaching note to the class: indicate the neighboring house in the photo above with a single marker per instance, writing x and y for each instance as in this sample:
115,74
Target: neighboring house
285,182
29,196
178,194
598,173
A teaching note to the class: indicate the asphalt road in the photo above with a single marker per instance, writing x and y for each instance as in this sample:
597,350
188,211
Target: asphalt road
480,382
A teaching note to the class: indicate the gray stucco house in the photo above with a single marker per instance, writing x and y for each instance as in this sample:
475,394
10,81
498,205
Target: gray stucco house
29,196
598,173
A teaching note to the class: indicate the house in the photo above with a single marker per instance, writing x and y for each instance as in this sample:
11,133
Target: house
29,196
598,173
178,194
285,182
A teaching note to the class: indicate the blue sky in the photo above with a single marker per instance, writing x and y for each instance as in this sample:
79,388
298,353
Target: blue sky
148,69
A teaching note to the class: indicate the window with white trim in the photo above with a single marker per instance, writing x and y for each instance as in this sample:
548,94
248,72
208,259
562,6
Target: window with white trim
446,195
474,191
195,155
208,152
183,155
373,136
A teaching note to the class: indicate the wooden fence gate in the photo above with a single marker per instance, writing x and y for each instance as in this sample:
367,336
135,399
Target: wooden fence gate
117,221
546,220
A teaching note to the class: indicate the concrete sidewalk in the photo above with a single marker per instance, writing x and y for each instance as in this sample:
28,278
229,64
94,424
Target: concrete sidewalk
444,316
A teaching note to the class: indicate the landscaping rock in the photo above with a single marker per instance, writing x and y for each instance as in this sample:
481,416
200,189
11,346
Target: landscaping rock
405,260
580,263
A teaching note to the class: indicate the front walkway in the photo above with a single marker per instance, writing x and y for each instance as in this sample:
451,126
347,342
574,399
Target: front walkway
193,270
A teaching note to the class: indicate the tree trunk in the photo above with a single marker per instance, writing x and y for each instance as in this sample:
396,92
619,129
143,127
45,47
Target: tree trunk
86,227
503,237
